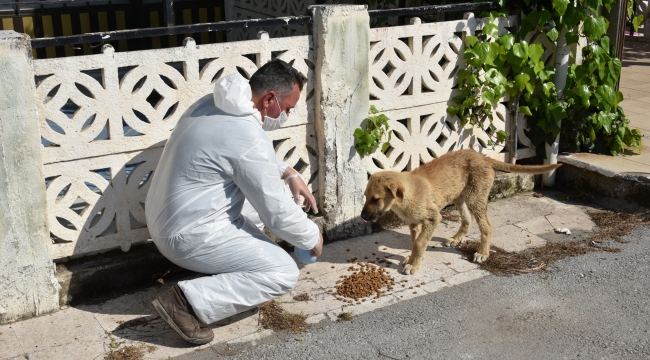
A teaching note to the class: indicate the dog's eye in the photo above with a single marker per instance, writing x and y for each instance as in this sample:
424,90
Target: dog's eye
375,200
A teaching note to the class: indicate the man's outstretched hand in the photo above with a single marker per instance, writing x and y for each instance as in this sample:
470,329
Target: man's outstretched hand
299,188
318,249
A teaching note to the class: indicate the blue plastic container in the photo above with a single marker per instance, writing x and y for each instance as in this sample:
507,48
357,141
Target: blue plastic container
304,256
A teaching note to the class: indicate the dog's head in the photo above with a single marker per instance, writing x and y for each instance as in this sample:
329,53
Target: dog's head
383,190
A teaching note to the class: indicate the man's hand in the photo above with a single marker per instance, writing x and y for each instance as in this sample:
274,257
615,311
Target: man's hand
318,249
299,188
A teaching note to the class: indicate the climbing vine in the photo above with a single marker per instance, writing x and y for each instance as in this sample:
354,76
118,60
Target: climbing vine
498,65
377,131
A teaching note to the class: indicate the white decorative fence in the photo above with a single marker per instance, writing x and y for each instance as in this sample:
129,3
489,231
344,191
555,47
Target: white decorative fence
98,159
413,72
105,118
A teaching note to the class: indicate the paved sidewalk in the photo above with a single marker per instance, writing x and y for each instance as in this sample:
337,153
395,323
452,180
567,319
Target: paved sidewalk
635,86
90,331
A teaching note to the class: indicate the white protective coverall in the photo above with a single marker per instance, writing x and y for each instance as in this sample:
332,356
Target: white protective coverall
216,158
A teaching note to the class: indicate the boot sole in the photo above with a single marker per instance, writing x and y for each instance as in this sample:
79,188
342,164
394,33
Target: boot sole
163,314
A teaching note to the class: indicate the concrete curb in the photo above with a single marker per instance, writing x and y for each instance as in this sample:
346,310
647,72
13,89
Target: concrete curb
603,186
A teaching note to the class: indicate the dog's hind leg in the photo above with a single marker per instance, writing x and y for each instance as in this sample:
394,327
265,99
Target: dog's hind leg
420,243
478,207
466,221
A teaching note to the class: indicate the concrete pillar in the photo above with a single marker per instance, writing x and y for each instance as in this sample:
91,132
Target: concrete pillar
342,45
27,283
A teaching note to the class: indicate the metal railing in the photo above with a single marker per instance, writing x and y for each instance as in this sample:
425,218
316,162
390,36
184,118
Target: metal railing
170,29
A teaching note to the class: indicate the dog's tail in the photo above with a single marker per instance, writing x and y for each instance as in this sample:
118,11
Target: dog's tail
528,169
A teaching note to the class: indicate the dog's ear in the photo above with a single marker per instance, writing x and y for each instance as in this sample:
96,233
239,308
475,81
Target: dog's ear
397,189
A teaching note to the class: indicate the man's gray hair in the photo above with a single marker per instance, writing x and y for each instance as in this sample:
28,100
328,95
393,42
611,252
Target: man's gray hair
276,76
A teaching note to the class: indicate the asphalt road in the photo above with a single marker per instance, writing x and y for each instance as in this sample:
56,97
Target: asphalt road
595,306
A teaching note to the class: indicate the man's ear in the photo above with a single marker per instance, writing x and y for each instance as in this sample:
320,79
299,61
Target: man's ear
397,189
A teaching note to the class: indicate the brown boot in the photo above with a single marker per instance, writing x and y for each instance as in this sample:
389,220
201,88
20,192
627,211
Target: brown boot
177,312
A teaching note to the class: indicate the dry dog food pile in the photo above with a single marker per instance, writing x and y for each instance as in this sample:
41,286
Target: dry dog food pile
366,280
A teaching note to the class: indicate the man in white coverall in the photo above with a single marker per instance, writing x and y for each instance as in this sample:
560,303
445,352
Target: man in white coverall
217,184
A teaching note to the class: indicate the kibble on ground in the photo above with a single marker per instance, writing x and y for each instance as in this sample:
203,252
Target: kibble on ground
365,281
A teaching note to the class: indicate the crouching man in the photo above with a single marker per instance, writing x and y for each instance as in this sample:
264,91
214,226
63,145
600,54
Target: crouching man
217,184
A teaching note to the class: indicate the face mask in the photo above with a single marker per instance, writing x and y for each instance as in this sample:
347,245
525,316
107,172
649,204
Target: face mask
271,124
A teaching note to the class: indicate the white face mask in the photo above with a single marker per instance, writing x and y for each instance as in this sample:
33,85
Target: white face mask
271,124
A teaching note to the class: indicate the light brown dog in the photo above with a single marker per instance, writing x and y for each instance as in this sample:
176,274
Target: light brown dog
463,177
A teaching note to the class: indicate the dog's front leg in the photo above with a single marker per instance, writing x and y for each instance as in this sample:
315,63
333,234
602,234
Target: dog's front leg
416,229
420,243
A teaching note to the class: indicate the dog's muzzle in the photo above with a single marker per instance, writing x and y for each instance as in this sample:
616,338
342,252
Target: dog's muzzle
366,218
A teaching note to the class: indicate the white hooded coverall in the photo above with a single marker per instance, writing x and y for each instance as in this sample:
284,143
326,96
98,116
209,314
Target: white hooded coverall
216,158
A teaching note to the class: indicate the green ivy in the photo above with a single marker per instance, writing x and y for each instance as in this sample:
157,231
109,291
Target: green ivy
636,20
369,139
499,65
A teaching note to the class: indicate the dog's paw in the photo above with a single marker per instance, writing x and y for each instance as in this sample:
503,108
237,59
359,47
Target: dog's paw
451,242
409,269
479,258
406,260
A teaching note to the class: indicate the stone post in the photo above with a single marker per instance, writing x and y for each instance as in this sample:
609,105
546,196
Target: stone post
27,283
342,45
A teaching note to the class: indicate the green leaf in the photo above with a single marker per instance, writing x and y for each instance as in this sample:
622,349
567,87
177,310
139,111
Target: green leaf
469,102
573,16
493,76
572,38
606,96
530,22
385,147
463,74
604,44
525,110
594,5
473,80
491,30
539,66
507,41
471,40
583,92
502,136
605,121
618,98
373,109
545,75
595,27
530,88
520,82
535,51
544,17
547,87
560,6
553,34
558,111
487,52
636,21
520,50
489,97
451,110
